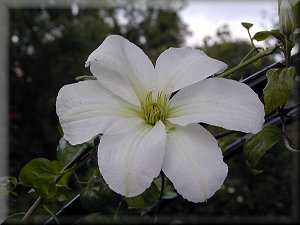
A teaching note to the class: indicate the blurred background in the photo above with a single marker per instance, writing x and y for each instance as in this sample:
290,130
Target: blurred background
49,43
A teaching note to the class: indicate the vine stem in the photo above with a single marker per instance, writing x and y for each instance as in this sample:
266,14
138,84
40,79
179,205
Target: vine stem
249,53
160,196
251,40
32,208
261,54
287,55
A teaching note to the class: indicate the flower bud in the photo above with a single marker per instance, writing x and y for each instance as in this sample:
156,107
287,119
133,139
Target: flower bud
287,19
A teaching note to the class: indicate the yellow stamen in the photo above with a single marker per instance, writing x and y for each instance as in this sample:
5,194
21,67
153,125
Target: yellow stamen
154,110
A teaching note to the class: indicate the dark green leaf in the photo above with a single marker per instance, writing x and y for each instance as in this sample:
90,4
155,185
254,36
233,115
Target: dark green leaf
247,25
147,199
263,35
66,151
278,35
291,43
258,144
64,179
252,170
279,87
41,174
97,196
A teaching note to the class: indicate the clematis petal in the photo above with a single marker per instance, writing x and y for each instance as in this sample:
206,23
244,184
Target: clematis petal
220,102
179,67
86,109
123,68
130,160
194,162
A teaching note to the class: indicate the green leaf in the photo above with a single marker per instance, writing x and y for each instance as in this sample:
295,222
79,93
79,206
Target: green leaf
278,35
66,151
41,174
279,87
147,199
291,43
258,144
247,25
97,196
263,35
62,194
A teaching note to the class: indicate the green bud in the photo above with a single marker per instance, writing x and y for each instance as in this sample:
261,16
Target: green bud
287,19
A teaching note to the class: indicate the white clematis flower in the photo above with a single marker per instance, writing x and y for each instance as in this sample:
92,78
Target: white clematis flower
144,130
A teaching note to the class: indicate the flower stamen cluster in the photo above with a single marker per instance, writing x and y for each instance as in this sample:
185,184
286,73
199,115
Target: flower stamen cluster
154,110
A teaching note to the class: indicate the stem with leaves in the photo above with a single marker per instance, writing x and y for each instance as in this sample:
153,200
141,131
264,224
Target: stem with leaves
260,55
79,158
286,139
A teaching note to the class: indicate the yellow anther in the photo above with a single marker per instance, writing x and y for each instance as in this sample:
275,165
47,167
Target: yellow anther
154,110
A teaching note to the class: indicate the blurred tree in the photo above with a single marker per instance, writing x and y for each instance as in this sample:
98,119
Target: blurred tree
224,48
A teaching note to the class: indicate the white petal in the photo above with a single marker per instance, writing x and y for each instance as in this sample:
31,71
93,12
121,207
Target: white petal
179,67
86,109
129,161
123,68
194,162
220,102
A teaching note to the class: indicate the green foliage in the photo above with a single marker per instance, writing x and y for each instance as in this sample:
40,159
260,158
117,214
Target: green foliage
66,151
263,35
96,196
247,25
258,144
42,174
279,87
147,199
232,52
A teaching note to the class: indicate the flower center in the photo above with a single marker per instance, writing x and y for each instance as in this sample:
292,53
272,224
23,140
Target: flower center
154,110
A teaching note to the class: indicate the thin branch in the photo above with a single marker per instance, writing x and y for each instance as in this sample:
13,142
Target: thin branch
251,40
51,213
288,146
249,53
224,134
32,208
249,61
